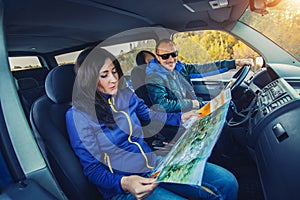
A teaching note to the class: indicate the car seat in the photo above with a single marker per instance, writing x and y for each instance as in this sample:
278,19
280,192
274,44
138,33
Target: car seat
138,76
29,91
47,118
30,86
38,74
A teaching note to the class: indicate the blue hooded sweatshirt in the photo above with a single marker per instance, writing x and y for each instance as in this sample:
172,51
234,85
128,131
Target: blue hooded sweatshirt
108,154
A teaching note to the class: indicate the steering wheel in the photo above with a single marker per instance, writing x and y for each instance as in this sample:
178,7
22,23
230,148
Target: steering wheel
233,84
238,78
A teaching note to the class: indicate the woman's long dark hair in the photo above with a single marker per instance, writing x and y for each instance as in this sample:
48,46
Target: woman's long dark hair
86,96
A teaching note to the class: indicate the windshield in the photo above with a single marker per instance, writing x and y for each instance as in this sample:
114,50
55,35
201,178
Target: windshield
281,24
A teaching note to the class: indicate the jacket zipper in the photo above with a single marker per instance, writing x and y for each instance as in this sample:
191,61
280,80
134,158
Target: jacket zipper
130,132
106,157
107,161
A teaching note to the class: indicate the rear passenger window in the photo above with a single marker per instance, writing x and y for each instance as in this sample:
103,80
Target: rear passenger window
24,63
67,58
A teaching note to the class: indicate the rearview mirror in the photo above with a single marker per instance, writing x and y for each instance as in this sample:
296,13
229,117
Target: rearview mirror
260,6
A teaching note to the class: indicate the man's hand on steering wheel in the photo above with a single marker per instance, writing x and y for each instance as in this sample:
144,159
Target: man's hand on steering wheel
243,62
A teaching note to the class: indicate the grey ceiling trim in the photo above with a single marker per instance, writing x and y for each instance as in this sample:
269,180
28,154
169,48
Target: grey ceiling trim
102,6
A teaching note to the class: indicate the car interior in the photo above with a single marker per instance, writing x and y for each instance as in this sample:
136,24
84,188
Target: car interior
47,118
260,140
30,86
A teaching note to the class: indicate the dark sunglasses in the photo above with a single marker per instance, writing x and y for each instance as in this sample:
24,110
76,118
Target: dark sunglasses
167,55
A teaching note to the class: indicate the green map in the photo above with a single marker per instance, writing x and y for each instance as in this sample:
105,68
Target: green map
186,160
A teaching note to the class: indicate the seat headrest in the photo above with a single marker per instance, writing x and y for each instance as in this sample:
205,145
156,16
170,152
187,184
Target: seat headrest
141,57
59,83
27,83
39,74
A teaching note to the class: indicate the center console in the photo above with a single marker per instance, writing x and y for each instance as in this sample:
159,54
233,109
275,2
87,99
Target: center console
274,139
275,98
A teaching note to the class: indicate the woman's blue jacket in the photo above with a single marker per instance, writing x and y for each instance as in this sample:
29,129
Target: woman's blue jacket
108,154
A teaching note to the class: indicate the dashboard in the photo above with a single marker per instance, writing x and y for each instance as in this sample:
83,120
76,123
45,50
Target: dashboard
275,99
265,118
273,136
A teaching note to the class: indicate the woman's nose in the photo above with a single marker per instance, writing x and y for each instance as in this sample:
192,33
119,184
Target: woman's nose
113,77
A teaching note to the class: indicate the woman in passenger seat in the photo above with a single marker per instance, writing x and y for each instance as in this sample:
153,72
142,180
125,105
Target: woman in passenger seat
104,126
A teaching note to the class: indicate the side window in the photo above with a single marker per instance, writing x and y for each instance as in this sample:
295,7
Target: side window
24,63
67,58
209,46
126,52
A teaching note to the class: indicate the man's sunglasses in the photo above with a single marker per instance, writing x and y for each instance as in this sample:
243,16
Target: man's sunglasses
167,55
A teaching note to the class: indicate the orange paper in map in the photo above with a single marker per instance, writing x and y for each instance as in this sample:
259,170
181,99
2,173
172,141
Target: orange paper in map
215,103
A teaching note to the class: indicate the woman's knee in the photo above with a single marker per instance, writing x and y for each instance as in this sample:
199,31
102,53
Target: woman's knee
222,180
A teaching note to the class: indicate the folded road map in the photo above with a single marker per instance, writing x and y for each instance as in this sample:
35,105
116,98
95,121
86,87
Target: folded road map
186,160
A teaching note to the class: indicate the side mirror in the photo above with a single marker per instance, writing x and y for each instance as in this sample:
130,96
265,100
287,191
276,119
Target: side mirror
260,6
259,62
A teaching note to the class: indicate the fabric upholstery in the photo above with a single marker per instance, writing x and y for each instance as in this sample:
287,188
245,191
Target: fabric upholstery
48,122
27,83
29,90
31,85
59,83
138,76
38,74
